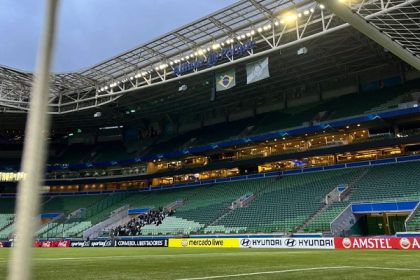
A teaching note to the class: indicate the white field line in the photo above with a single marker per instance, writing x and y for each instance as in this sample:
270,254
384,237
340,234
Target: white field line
300,270
158,256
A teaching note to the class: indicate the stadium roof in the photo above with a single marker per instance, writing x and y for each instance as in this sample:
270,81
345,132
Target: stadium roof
275,25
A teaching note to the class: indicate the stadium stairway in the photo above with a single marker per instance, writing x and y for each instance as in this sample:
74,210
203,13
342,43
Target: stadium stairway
282,204
320,221
392,182
6,222
286,203
414,223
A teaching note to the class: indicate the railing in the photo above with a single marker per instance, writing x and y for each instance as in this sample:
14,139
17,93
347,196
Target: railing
343,222
412,214
116,215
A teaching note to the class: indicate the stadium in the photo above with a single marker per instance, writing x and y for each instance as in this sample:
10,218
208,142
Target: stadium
269,139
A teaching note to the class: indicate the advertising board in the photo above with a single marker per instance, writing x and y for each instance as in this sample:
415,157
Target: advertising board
364,243
288,243
204,242
142,243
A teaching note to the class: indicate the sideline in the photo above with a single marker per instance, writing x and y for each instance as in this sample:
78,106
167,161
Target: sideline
300,270
142,256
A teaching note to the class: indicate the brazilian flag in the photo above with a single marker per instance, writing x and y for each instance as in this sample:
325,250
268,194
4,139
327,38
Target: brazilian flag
225,80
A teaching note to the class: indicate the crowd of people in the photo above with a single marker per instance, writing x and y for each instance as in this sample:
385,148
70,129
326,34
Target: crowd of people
133,227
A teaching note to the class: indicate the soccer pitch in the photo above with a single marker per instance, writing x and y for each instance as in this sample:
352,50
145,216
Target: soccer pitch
171,263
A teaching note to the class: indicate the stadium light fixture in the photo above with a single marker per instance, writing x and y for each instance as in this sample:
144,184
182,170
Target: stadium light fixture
238,38
306,12
260,29
311,10
322,6
252,32
243,36
290,17
276,23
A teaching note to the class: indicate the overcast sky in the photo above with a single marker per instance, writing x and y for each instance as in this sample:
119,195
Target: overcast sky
91,31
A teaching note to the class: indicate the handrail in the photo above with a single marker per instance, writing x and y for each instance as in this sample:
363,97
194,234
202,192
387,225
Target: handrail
412,214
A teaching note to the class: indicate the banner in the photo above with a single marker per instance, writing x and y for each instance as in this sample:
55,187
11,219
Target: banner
288,243
364,243
204,243
142,243
257,71
52,244
79,244
5,244
91,243
225,80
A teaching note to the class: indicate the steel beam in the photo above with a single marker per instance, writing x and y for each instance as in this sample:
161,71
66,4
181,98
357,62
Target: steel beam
363,25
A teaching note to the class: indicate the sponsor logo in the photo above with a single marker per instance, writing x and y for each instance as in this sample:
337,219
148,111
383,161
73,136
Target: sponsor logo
63,244
184,243
363,243
204,243
367,243
309,243
80,244
405,243
290,242
245,242
346,243
106,243
142,243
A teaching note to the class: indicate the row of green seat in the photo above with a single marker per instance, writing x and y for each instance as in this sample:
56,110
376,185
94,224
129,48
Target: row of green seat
392,182
281,204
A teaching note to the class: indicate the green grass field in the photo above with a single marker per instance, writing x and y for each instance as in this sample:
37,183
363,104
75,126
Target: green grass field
165,263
